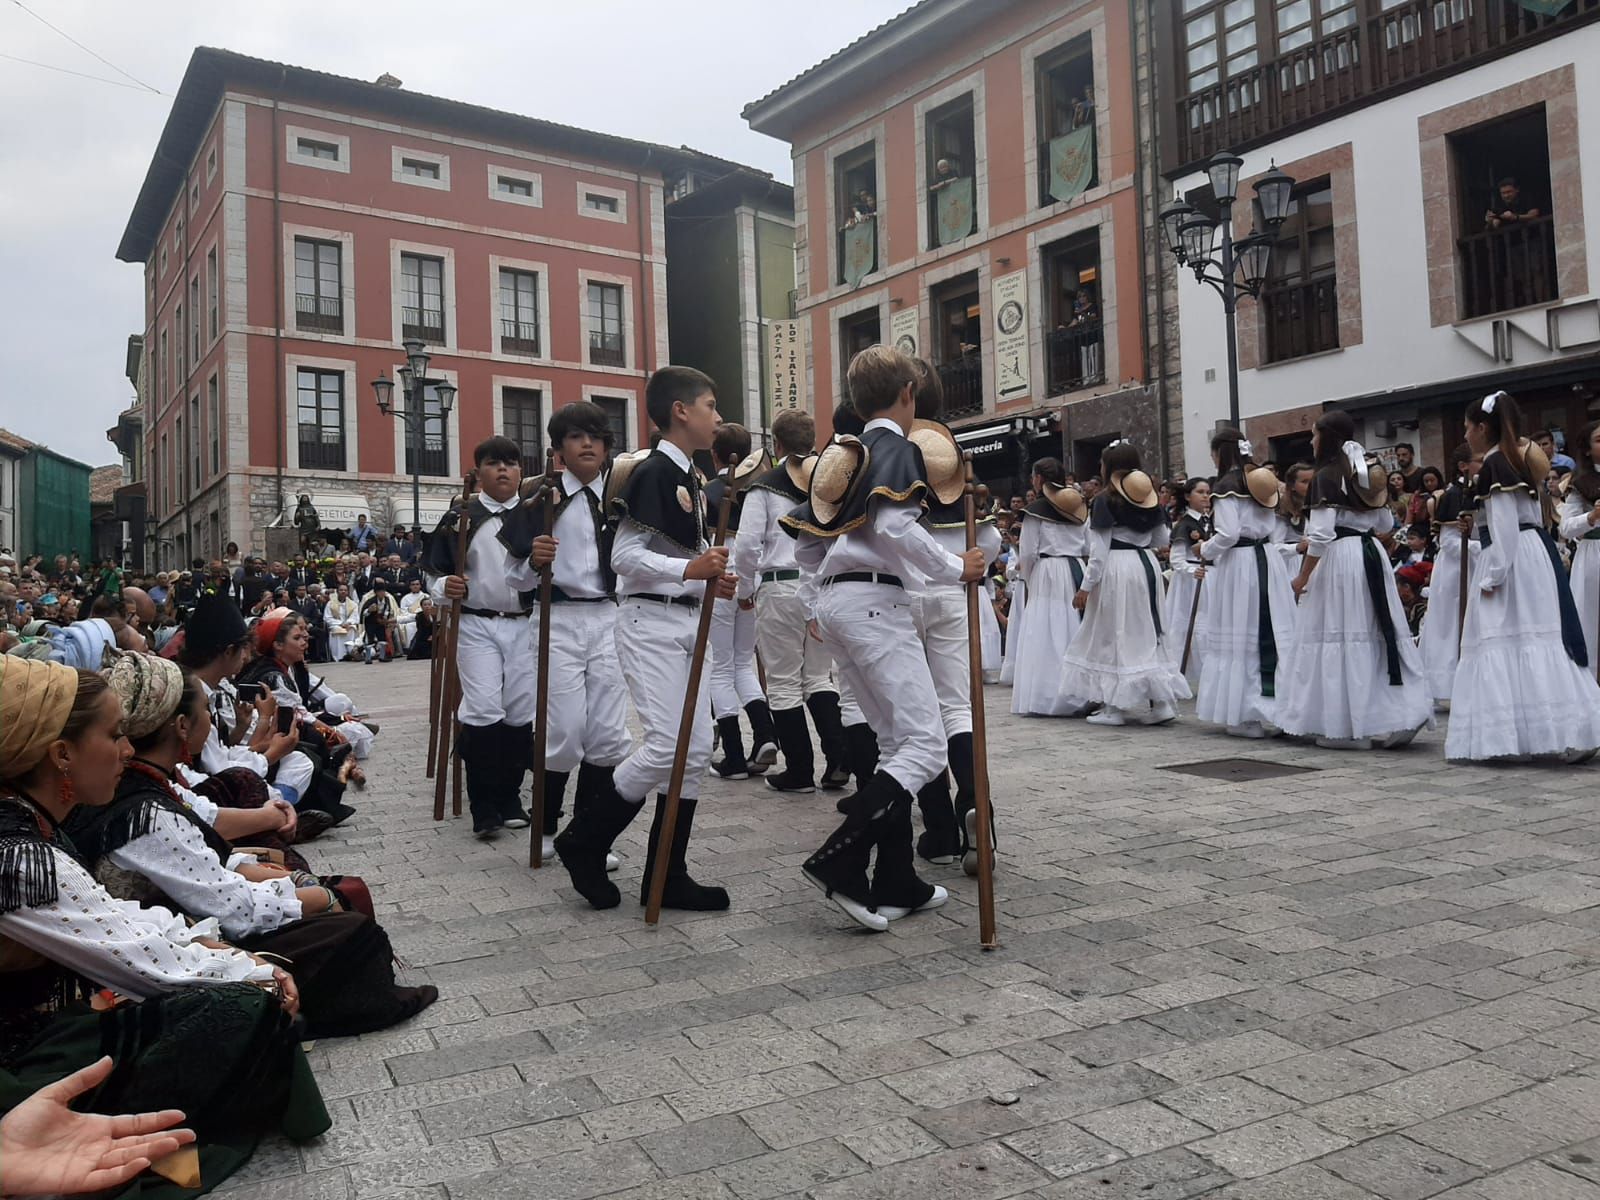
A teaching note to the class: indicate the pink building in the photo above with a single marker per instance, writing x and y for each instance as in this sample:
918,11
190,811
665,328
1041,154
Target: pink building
295,226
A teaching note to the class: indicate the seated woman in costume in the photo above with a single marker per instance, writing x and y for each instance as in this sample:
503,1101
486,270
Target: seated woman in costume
281,643
154,844
198,1025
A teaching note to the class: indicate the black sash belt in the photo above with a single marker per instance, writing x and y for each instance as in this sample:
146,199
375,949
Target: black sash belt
1074,563
1572,638
1149,580
1372,559
493,614
1266,636
863,577
557,596
679,601
1592,536
781,576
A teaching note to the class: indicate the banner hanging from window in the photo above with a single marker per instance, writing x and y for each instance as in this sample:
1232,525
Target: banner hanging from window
786,366
1071,163
953,204
1010,335
860,250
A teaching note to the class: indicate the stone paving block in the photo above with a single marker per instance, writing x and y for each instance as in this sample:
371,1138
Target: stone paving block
1303,1182
1268,1146
440,1091
1116,1043
1310,1078
1398,1168
892,1142
1226,1103
782,1171
1170,1175
323,1185
351,1141
1411,1048
418,1168
1447,1088
987,1172
1226,1056
839,1110
619,1122
1141,1127
1475,1136
961,1079
702,1145
1527,1181
577,1175
1062,1148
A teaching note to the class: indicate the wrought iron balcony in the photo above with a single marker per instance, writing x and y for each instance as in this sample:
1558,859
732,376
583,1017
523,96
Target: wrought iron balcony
424,323
1074,358
1509,267
519,337
1300,319
606,349
318,314
963,387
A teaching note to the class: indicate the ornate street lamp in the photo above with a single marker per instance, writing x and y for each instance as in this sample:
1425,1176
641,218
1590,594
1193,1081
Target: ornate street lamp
414,385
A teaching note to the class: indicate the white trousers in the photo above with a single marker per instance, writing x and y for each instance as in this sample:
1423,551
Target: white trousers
495,660
797,665
941,620
654,645
734,680
588,714
869,628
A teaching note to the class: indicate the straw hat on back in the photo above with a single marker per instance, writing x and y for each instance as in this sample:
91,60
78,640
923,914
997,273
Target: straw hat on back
947,475
753,464
836,476
799,470
1262,485
621,467
1135,487
1067,500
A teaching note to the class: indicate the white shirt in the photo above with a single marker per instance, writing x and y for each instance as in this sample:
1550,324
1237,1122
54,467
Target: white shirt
576,570
763,545
495,580
1054,538
648,562
954,541
1233,518
1100,547
214,756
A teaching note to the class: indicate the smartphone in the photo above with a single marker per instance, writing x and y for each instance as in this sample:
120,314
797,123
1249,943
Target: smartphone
250,692
285,720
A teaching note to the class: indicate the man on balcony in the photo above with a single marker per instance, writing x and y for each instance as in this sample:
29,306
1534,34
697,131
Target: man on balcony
1510,206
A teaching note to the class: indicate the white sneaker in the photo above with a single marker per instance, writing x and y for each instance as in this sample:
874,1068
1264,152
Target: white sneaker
859,913
969,860
1393,741
1106,716
516,822
894,912
612,862
1160,714
549,850
1250,729
764,755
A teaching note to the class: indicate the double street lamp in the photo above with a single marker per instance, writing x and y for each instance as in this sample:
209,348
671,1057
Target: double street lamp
1242,268
414,385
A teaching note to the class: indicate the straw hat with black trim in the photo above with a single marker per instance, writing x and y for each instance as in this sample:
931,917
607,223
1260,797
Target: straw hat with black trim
1134,486
750,466
1262,485
1535,459
947,474
1375,493
799,470
1067,500
621,467
836,477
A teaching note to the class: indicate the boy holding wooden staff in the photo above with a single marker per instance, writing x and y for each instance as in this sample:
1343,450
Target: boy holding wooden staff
662,559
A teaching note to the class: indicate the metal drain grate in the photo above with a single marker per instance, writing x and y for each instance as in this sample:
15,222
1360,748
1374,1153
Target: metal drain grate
1238,770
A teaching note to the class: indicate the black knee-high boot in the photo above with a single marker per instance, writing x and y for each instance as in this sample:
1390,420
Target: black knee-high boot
961,770
764,740
840,864
475,745
681,890
732,764
598,819
861,749
555,790
824,709
515,748
941,839
799,766
593,781
895,883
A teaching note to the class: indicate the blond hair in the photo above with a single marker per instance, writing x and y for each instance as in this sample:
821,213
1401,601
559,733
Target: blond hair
877,376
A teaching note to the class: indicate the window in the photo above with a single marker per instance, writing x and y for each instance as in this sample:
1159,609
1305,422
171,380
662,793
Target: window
435,437
1505,262
1064,87
521,409
420,168
177,325
513,187
602,203
162,377
193,444
311,148
214,422
318,295
855,182
1300,302
606,348
178,457
952,172
616,410
320,404
958,342
211,290
856,333
163,271
194,319
194,195
519,311
422,297
211,164
595,202
161,469
1074,345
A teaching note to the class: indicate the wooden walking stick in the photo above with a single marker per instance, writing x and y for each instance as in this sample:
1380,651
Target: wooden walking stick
450,697
680,755
980,736
433,698
541,711
1194,614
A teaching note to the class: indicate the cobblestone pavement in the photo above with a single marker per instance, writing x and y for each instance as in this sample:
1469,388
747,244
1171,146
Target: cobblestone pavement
1378,979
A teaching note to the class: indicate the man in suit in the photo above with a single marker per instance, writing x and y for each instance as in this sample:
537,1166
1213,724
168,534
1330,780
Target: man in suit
365,576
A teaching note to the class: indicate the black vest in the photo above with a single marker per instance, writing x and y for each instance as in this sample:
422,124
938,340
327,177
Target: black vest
660,496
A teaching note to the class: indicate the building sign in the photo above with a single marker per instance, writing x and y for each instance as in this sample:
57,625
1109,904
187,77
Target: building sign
786,366
1010,311
903,330
337,511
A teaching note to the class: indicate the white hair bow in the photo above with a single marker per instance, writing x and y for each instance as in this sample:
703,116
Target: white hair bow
1246,450
1117,442
1488,402
1356,454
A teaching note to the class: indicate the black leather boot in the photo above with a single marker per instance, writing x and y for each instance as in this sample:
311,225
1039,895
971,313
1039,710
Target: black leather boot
582,846
555,790
732,764
798,774
515,750
592,781
839,867
896,888
764,740
681,890
824,709
941,837
475,747
962,766
861,752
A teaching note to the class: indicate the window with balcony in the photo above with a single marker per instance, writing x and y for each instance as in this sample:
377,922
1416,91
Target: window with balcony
1064,90
178,358
318,292
958,343
520,410
194,439
855,181
856,333
435,458
519,311
616,410
952,157
1075,343
214,422
606,347
178,457
422,297
320,416
1506,256
212,297
194,318
1300,301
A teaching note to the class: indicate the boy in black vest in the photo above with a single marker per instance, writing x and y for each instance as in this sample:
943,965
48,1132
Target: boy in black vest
662,560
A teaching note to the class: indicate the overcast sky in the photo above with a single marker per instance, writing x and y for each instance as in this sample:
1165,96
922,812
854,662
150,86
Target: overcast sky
73,151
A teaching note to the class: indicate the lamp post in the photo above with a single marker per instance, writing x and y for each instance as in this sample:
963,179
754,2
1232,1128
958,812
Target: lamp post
414,384
1242,268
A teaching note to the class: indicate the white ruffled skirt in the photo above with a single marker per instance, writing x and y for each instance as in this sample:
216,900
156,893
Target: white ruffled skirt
1019,605
1336,682
1052,624
1517,692
1231,690
1441,624
1118,657
1181,590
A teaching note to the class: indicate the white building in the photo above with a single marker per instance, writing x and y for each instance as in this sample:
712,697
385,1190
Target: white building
1389,295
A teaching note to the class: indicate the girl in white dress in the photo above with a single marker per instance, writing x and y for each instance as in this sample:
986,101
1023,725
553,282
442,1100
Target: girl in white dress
1119,658
1355,678
1525,685
1441,625
1188,531
1580,525
1055,546
1249,608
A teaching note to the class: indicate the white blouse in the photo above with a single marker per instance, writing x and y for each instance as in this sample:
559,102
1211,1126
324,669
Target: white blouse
139,952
